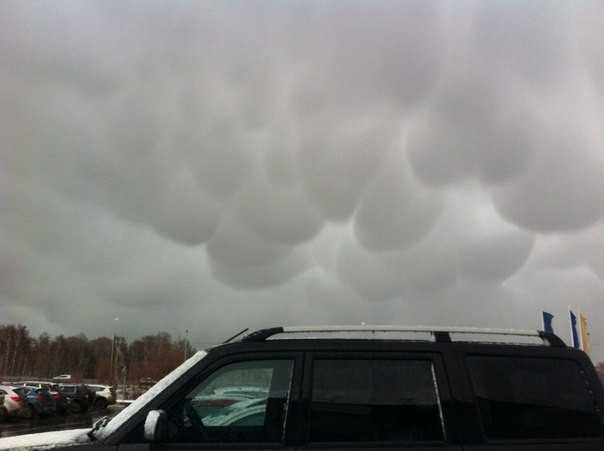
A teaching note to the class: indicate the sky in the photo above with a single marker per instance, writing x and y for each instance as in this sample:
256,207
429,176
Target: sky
200,167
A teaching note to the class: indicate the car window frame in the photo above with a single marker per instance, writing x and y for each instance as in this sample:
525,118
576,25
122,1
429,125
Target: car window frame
289,435
514,355
451,436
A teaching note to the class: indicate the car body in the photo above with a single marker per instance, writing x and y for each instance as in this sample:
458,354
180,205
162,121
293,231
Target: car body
40,400
104,395
77,396
61,403
146,382
448,390
62,377
15,401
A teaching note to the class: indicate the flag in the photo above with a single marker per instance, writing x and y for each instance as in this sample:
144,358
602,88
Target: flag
584,337
573,330
547,322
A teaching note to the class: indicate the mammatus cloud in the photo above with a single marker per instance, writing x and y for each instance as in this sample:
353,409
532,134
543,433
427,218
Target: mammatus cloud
356,161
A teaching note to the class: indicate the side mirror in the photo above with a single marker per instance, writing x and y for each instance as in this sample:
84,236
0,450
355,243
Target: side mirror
156,426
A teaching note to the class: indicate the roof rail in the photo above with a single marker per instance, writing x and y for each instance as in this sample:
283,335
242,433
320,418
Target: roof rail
437,334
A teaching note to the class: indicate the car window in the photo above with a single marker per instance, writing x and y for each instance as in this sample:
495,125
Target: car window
19,391
525,398
240,402
373,400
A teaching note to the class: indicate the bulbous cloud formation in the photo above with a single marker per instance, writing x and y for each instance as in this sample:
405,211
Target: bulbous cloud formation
265,157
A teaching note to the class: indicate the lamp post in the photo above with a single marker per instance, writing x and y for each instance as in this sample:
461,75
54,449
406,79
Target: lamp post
112,352
124,371
186,342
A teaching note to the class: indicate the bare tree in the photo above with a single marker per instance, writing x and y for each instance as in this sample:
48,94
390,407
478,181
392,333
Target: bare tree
44,357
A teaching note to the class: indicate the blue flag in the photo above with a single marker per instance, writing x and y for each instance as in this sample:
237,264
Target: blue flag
573,329
547,322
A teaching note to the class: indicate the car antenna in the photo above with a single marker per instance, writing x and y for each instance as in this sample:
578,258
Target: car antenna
236,335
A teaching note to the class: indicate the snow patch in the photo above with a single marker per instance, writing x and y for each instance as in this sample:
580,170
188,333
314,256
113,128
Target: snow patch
45,440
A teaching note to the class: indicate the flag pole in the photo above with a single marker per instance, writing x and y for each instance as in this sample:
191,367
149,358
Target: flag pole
574,333
580,330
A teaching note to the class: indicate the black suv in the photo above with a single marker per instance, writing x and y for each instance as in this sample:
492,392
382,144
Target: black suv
77,396
365,388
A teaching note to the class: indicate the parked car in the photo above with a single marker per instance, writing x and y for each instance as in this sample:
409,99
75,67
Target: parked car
54,390
389,388
62,377
146,382
104,395
40,401
15,402
77,396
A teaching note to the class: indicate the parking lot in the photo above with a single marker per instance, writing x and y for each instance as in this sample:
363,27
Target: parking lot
56,422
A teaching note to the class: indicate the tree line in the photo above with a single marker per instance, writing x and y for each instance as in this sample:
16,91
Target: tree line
106,360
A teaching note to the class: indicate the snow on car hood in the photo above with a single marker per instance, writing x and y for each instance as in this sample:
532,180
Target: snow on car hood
45,440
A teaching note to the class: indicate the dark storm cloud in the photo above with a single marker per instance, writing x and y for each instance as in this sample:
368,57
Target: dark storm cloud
417,161
395,212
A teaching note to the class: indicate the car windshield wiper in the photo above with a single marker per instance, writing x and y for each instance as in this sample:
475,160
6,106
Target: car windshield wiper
100,423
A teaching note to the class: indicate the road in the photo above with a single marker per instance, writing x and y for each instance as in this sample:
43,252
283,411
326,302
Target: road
56,422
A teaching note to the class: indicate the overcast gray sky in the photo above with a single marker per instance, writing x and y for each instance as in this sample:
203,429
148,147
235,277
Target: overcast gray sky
215,165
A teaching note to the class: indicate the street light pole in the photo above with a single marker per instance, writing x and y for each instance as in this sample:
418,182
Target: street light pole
112,349
186,342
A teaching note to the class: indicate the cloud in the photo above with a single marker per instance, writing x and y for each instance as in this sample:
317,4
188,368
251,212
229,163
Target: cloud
477,127
278,213
422,161
495,257
198,213
394,211
562,189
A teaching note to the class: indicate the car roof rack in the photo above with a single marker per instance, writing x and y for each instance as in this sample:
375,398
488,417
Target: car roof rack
436,334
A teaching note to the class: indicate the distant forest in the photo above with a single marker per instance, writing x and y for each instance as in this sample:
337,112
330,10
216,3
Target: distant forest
44,357
154,356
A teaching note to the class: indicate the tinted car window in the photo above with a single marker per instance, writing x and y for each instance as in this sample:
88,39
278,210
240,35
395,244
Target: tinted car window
19,391
241,402
374,400
524,398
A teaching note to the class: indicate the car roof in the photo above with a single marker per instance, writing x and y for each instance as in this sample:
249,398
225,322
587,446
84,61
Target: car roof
396,338
9,387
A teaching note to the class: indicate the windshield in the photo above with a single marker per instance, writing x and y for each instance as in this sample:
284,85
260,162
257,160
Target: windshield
107,426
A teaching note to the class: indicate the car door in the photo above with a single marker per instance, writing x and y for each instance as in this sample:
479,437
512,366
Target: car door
370,400
239,402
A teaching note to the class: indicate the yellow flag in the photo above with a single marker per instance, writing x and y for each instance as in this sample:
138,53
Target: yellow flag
584,337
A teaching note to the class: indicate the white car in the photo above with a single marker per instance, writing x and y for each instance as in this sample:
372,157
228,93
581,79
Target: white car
62,377
15,402
104,395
